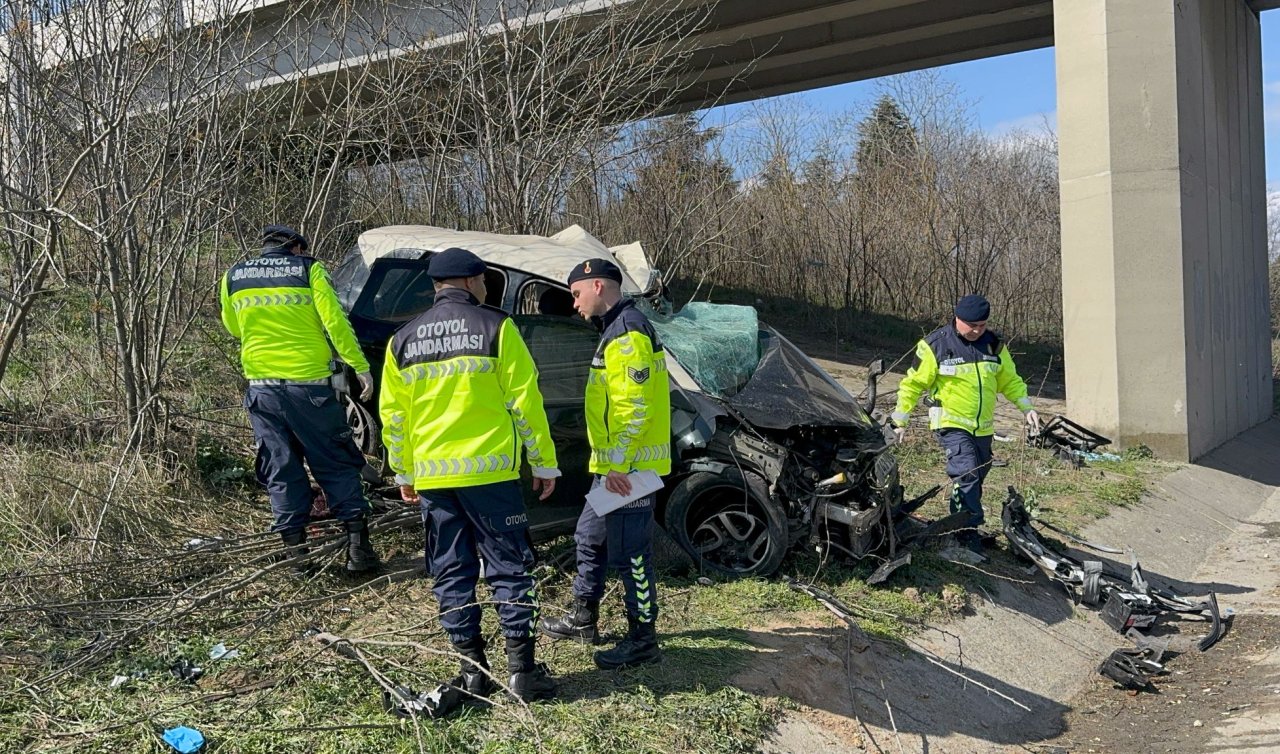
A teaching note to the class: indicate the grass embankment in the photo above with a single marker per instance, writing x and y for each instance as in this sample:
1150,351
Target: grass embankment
284,692
99,581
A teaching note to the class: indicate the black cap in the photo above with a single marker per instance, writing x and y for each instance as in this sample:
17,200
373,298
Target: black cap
595,268
284,236
973,308
455,263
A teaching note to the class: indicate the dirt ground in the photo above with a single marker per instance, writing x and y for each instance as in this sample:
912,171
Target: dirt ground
1179,714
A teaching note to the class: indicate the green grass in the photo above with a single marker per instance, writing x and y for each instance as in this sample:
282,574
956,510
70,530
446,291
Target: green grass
1062,495
322,702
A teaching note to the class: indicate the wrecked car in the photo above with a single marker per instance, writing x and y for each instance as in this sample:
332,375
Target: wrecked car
769,452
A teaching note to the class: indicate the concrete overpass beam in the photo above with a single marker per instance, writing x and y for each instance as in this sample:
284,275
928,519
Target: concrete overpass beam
1165,305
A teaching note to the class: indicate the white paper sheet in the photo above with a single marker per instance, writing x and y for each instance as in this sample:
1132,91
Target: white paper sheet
603,502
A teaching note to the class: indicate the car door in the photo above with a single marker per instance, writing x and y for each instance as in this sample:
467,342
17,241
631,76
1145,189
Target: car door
562,345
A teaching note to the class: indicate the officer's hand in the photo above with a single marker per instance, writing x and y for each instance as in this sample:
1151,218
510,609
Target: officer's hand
546,486
618,483
366,385
1033,421
408,493
899,435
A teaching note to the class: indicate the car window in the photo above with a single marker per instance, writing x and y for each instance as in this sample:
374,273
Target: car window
402,294
400,289
540,297
562,348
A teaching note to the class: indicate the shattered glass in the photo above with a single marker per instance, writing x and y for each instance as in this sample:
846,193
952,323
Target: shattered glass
717,344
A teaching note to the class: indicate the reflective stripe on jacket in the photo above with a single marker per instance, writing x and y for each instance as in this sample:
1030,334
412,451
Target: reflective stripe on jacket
280,306
459,400
962,378
628,396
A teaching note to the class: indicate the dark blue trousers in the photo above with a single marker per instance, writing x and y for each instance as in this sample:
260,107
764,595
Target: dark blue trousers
467,525
623,541
297,422
968,461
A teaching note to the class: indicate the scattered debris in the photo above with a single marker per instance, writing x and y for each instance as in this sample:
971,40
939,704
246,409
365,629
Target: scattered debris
888,567
1070,441
1135,604
118,681
185,670
205,543
1125,605
1131,668
184,740
219,651
403,701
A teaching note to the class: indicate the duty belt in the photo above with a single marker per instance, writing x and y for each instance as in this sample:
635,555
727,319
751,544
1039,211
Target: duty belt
273,382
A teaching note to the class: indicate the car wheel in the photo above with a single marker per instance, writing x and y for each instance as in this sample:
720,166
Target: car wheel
364,429
727,523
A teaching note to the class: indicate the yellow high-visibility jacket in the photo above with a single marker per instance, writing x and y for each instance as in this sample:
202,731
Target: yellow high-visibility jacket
628,396
459,399
963,379
280,306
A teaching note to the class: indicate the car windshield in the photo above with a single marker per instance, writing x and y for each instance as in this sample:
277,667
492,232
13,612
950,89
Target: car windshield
717,344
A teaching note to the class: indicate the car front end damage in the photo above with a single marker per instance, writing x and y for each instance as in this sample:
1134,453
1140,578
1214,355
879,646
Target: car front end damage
791,459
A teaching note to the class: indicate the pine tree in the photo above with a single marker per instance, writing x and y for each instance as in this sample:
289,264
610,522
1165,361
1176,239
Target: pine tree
886,137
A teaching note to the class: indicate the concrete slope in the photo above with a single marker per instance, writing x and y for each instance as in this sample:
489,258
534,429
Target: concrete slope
1027,652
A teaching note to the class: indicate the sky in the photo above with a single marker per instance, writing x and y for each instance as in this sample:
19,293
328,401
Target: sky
1017,91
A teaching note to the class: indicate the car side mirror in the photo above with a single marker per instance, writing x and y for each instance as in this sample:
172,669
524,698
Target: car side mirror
873,371
653,284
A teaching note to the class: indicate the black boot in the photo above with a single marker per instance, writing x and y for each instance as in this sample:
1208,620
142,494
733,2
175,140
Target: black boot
475,676
530,681
638,647
294,547
579,624
361,557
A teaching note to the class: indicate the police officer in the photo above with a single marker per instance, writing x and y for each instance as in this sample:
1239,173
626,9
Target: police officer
459,405
961,366
280,306
628,407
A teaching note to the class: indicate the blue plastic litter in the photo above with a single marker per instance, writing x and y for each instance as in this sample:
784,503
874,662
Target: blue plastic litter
185,740
1086,455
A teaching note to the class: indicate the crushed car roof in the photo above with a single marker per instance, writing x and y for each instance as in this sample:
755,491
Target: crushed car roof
551,257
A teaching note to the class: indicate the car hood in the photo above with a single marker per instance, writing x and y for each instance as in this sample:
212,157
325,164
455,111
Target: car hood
789,390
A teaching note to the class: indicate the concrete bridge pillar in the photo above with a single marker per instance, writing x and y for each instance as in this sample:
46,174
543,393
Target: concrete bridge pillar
1163,189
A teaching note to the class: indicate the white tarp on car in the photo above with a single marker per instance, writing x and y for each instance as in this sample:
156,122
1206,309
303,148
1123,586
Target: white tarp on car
551,257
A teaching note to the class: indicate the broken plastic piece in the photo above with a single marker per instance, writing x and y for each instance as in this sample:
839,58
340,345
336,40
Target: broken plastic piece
219,651
184,740
118,681
1136,604
186,670
204,543
438,702
1130,668
888,567
1061,432
1155,648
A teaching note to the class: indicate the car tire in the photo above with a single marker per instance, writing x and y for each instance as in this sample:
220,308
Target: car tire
727,524
364,427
